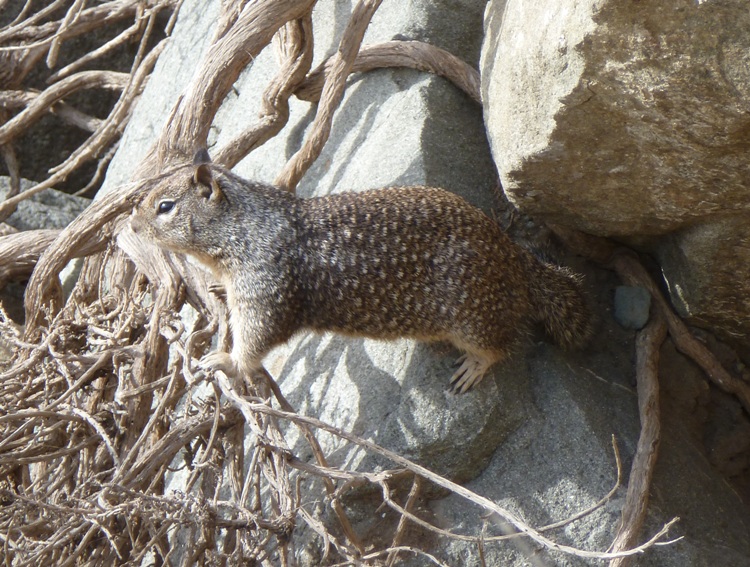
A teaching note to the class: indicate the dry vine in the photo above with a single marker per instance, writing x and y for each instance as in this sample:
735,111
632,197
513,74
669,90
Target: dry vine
103,410
27,40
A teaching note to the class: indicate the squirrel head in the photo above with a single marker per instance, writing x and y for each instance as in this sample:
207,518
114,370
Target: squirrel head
182,206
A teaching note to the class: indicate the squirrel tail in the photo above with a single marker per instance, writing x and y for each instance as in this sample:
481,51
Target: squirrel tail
560,304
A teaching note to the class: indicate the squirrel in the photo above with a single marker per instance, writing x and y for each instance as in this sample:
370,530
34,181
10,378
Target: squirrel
412,261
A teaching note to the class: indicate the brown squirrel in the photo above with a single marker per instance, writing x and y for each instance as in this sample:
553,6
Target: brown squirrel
412,262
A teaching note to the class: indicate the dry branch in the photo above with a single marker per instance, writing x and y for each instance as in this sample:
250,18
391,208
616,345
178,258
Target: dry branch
24,43
190,120
248,408
333,91
410,54
296,45
41,104
632,272
20,252
648,345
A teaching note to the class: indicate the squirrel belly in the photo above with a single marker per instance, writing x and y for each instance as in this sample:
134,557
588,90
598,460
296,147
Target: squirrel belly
413,261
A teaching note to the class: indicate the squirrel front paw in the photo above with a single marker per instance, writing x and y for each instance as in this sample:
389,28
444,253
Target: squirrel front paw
220,360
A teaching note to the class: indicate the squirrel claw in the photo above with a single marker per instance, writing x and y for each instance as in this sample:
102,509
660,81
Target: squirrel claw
469,374
219,360
219,290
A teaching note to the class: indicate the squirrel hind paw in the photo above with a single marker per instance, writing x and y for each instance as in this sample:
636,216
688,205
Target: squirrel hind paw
470,373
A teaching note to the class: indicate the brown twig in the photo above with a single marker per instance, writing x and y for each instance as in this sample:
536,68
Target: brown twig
39,105
401,528
248,408
632,272
410,54
20,252
296,43
648,344
190,120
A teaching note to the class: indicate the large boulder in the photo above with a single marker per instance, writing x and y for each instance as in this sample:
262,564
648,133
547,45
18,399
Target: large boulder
630,120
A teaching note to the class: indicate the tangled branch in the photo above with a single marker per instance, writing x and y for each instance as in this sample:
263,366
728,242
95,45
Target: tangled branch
26,41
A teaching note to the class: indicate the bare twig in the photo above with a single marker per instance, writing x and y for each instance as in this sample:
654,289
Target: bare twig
411,54
41,104
632,272
190,120
647,370
248,408
398,537
296,41
20,252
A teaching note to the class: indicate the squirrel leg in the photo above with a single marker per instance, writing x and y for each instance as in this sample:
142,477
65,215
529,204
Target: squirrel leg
252,337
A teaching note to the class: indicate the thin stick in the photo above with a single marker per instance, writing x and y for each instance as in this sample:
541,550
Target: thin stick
191,118
298,43
42,103
632,272
248,408
320,457
402,523
71,16
121,38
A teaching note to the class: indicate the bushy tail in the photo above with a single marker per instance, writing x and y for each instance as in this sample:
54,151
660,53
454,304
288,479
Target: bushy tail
560,304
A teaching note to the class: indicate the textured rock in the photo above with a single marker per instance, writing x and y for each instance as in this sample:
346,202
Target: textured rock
48,209
630,119
561,462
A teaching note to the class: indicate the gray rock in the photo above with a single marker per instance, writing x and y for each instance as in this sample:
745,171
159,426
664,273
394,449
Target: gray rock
629,120
560,461
632,304
48,209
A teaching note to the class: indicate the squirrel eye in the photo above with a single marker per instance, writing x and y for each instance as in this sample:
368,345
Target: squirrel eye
165,207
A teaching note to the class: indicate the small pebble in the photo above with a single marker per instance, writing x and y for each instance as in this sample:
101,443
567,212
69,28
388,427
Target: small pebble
632,305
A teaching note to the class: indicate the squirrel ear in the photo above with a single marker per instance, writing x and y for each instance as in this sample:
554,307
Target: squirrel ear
203,177
201,156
